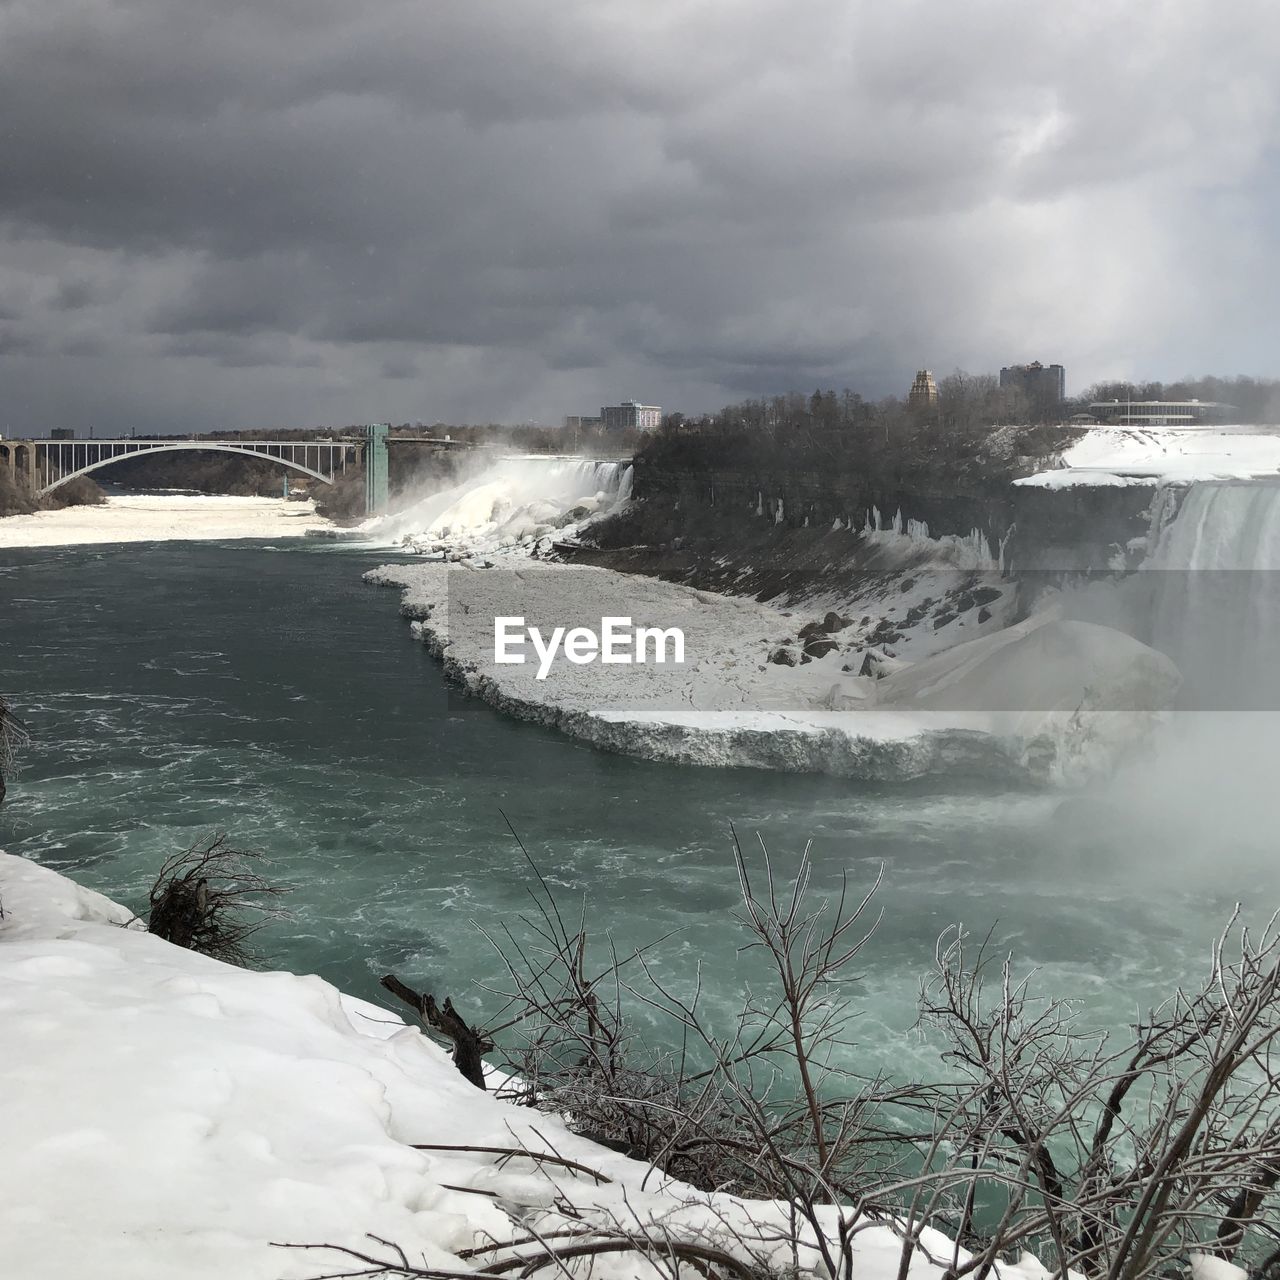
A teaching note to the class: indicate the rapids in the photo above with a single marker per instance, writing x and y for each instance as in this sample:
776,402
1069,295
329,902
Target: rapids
262,690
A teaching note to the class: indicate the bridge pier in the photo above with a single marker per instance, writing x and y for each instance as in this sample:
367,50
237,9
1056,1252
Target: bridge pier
21,466
376,488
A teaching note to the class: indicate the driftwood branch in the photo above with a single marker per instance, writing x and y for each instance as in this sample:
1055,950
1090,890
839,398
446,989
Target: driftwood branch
470,1044
539,1157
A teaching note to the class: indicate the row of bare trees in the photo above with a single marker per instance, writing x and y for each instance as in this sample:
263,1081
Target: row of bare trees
1103,1155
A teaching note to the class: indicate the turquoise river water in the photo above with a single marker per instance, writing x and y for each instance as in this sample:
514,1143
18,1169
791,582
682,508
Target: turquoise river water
261,689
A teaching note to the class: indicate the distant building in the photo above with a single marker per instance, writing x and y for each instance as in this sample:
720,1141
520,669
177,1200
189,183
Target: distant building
1044,385
924,392
579,422
1159,413
631,415
62,433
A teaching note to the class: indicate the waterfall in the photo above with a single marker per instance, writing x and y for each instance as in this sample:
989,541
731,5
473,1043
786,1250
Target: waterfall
1215,596
511,499
1201,807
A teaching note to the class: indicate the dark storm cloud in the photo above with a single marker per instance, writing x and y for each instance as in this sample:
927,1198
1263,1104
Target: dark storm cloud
304,210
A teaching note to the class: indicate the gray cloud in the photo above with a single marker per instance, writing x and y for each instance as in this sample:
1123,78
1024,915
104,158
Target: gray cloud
303,211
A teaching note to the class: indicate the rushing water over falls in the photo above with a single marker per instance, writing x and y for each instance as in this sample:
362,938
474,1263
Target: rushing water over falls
511,500
1217,595
260,689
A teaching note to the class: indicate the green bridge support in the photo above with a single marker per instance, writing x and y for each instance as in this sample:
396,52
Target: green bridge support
375,468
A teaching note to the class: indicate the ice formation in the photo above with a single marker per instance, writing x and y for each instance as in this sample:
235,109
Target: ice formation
1047,700
912,536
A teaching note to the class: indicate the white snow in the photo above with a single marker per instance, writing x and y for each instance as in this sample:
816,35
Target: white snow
1204,1266
1049,700
162,518
165,1115
1152,455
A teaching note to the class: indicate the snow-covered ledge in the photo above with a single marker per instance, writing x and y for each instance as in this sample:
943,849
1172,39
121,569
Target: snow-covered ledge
163,1114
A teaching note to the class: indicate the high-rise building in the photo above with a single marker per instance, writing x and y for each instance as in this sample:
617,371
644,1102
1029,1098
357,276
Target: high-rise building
924,392
1044,385
631,415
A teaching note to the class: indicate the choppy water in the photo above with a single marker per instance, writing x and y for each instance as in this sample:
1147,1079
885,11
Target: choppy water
263,690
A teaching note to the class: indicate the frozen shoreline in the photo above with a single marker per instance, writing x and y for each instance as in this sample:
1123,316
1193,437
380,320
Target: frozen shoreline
977,709
162,518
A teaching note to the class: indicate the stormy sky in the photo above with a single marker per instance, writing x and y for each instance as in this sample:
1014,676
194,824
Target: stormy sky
291,212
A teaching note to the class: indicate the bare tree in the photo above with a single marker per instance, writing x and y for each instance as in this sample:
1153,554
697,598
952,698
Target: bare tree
13,737
1114,1161
1116,1156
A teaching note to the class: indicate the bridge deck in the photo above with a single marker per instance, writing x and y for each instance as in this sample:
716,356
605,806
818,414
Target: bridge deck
43,465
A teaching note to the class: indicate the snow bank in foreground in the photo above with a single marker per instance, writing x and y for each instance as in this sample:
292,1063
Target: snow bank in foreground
165,1115
1155,455
162,518
1050,701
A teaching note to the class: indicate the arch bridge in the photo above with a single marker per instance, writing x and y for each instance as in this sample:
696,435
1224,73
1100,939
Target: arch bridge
38,467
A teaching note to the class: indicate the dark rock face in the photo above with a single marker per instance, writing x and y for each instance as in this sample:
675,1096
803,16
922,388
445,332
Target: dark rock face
1074,528
819,647
783,657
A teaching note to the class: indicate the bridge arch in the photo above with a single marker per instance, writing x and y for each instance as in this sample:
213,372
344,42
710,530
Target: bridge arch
179,446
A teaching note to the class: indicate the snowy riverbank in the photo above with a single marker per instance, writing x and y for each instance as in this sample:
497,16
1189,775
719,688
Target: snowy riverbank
162,517
166,1115
1048,701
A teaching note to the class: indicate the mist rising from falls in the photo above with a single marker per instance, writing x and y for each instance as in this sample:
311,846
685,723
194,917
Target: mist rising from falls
510,501
1203,805
1215,596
